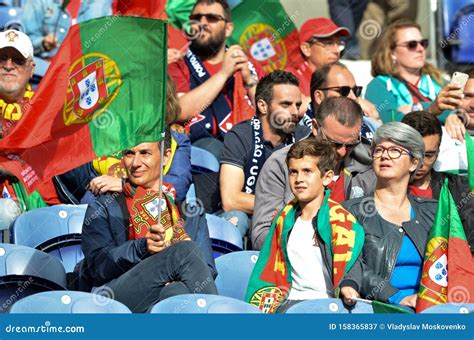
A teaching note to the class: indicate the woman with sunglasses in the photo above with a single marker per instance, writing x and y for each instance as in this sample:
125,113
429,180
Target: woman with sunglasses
404,81
396,224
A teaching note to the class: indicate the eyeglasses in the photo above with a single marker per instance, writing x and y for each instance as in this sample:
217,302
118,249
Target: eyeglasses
210,17
393,152
345,90
17,61
328,43
339,145
413,44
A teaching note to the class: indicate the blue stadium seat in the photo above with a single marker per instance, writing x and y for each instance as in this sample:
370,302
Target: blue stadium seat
202,161
331,306
203,304
55,230
456,29
225,237
451,308
68,302
233,273
25,271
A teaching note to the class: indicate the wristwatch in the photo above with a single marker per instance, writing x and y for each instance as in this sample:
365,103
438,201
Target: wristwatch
252,83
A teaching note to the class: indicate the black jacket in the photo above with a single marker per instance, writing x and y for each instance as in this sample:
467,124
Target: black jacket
463,197
383,241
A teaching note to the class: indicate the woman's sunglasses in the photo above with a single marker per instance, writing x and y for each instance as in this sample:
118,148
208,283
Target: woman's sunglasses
345,90
413,44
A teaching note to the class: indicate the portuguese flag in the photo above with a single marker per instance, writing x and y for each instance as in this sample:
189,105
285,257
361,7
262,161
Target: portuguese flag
448,268
104,92
470,160
267,34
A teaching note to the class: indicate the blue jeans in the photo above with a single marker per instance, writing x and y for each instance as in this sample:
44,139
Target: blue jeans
180,266
243,220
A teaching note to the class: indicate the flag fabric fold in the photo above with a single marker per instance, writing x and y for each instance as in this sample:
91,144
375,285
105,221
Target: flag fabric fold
104,92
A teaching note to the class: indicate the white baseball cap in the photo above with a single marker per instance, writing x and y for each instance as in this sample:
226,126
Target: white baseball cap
18,40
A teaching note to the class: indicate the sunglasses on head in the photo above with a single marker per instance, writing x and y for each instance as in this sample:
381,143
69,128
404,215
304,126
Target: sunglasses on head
211,18
413,44
345,90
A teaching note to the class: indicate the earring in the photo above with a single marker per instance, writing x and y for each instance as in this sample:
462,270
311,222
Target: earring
394,61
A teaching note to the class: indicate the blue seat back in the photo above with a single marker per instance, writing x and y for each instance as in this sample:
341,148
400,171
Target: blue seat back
329,306
225,237
202,161
203,304
25,271
55,230
451,308
68,302
233,273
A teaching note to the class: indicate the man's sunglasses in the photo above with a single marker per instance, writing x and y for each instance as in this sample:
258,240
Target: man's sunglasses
338,145
17,61
211,18
413,44
345,90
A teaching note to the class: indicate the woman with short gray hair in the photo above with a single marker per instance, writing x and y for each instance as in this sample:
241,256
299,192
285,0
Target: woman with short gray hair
396,224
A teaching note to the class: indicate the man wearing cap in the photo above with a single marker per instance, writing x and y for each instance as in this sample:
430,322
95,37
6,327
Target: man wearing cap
16,69
320,44
215,84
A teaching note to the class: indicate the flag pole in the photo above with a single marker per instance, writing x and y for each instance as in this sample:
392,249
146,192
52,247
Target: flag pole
160,191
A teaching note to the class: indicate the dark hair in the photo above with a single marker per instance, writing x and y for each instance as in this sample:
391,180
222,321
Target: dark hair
328,158
319,79
345,110
470,72
265,85
424,122
167,138
223,3
173,110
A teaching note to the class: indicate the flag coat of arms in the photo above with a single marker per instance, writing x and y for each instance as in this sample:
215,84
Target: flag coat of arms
104,92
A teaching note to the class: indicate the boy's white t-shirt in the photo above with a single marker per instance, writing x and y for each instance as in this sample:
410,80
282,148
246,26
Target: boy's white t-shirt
306,263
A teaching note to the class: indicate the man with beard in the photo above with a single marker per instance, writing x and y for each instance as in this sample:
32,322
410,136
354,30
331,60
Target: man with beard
338,120
215,84
251,142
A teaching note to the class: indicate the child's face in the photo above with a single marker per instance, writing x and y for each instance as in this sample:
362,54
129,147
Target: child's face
306,181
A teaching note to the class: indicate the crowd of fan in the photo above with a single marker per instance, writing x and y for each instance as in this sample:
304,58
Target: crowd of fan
280,137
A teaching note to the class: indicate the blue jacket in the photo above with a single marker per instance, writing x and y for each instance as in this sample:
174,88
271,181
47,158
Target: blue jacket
40,16
108,251
179,173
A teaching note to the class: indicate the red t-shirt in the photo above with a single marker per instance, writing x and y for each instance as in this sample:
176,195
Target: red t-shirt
303,73
415,191
179,72
337,189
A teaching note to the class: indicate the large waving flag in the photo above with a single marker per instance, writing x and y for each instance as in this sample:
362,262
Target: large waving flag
267,34
448,268
104,91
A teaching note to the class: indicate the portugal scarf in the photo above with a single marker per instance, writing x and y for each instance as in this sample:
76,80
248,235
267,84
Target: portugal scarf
143,209
12,112
230,107
270,281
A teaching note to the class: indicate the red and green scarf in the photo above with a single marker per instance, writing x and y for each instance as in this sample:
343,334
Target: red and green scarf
143,209
270,281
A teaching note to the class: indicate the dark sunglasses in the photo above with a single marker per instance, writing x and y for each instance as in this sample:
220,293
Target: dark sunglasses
211,18
18,61
345,90
413,44
338,145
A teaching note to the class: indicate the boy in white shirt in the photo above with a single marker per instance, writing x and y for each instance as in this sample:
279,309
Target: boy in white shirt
296,262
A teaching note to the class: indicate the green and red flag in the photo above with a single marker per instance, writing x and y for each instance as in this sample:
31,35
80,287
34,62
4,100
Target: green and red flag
267,34
142,8
105,91
448,268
